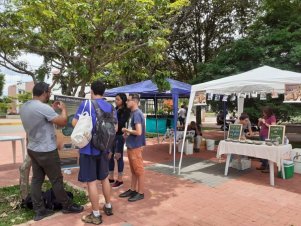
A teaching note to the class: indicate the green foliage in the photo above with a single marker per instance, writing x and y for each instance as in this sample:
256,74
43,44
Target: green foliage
120,41
203,28
10,205
274,40
5,103
24,97
283,112
2,82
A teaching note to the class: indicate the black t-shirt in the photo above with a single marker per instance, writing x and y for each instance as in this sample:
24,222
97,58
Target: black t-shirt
123,116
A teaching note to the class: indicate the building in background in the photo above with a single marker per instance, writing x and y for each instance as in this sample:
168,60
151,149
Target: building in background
14,90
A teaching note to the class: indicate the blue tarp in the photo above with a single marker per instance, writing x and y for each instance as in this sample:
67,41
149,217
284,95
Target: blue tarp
149,90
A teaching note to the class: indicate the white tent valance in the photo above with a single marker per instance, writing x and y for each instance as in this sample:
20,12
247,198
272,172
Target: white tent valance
265,79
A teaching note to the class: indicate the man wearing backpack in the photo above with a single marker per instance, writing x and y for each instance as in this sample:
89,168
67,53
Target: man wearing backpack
38,119
135,140
94,163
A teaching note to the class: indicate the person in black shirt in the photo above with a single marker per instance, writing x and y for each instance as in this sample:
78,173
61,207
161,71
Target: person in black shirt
197,136
123,115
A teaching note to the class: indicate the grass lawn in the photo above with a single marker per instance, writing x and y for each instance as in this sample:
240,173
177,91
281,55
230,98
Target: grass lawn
11,212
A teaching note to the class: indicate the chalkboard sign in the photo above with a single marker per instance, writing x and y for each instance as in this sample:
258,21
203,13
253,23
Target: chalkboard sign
234,131
277,132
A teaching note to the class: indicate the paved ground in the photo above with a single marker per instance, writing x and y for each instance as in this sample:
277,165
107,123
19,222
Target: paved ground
200,196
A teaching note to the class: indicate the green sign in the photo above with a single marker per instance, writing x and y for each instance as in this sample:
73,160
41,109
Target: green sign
276,132
234,131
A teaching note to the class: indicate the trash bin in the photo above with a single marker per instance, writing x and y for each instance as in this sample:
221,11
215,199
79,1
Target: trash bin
210,145
288,169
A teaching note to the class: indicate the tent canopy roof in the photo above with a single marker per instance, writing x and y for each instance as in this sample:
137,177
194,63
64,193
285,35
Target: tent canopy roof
264,79
148,89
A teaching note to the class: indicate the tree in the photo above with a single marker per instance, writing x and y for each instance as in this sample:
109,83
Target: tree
274,40
86,39
203,28
2,82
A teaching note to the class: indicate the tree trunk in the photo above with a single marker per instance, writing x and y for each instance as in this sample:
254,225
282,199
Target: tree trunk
24,177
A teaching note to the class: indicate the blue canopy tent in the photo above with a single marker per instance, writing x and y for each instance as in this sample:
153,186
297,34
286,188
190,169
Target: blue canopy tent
149,90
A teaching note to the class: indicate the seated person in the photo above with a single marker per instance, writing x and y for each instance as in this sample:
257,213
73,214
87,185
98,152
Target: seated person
246,125
246,130
220,118
197,136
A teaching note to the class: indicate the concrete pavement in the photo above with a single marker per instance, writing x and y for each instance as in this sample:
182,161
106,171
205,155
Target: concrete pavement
200,196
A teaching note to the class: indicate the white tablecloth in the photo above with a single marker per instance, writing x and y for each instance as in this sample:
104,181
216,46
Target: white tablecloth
272,153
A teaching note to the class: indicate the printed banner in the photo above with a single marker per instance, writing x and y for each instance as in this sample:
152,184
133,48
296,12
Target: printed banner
200,98
68,153
292,93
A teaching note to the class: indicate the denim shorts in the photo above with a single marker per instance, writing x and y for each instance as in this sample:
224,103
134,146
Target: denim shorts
93,167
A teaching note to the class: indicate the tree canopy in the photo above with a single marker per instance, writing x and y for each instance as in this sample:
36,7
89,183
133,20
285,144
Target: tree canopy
87,39
203,28
273,39
2,82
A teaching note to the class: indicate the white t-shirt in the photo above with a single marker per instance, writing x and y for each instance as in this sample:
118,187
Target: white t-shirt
182,112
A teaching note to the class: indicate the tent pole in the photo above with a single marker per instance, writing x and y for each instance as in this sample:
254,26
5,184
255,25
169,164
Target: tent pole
156,114
191,98
224,109
175,99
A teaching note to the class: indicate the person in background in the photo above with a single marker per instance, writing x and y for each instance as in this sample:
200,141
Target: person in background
197,136
123,115
93,163
220,118
135,141
182,115
38,119
268,118
244,120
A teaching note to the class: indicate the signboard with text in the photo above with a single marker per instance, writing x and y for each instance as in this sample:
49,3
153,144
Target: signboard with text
234,131
68,153
277,132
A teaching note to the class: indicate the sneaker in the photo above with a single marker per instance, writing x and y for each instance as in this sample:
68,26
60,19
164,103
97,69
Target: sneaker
136,197
92,219
108,211
117,184
128,193
111,181
42,214
73,208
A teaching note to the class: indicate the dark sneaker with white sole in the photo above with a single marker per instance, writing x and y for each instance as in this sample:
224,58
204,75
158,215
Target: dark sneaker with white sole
42,214
117,184
128,193
136,197
73,208
108,211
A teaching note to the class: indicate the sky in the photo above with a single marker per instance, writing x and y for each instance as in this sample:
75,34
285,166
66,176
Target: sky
12,77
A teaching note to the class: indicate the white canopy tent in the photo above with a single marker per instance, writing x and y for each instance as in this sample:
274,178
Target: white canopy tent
263,79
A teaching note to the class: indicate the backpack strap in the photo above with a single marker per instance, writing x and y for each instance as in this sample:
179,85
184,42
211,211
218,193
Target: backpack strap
113,114
96,106
85,107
